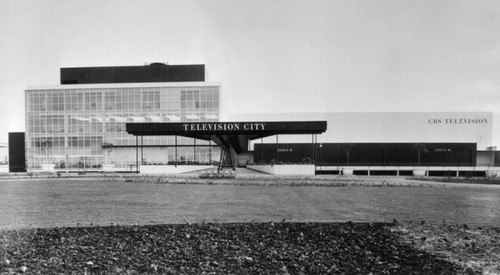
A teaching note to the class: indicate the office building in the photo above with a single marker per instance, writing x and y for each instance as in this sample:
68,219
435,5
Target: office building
80,124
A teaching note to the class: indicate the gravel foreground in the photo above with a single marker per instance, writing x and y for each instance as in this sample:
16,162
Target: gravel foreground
252,248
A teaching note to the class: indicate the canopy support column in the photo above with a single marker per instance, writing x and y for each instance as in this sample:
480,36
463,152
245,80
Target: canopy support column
312,147
175,147
262,149
277,156
137,154
315,148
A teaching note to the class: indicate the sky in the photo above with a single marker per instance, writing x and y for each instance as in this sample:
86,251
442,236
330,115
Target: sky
270,56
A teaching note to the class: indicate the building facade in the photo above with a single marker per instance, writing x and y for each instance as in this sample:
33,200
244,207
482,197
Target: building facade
82,126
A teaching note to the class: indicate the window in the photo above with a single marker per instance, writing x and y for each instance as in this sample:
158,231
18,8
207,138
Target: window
190,99
150,99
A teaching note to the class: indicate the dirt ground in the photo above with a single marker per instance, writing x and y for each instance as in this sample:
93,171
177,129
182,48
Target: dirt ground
253,248
477,248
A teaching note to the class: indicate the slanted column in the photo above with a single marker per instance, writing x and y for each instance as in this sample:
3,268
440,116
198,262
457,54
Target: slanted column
210,152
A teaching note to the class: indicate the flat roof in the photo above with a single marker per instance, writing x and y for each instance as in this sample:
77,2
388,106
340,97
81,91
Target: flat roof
123,85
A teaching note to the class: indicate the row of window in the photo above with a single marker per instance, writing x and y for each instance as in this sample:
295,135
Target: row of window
97,124
106,141
75,118
80,158
156,105
81,161
133,100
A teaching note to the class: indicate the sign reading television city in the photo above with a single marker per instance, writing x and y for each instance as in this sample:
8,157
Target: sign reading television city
233,126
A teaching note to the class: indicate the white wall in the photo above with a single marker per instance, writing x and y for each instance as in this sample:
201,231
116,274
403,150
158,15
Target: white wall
171,169
289,169
389,127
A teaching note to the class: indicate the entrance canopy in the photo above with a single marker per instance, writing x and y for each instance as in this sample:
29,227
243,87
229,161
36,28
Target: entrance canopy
233,137
206,130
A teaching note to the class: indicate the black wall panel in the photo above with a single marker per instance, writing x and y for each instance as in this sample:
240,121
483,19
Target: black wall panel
156,72
17,158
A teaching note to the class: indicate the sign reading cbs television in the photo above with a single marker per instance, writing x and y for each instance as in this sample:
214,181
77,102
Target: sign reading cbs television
458,121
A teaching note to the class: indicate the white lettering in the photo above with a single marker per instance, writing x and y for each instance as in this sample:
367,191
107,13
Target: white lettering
225,126
458,121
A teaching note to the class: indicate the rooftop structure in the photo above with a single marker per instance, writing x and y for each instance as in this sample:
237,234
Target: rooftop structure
154,72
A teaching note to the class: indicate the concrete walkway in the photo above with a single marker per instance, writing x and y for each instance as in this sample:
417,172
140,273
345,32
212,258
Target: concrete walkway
239,171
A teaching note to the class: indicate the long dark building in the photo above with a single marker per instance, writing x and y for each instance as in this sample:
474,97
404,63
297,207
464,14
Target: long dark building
369,154
155,72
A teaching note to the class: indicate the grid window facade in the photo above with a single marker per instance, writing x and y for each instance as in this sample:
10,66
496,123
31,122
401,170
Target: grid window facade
84,128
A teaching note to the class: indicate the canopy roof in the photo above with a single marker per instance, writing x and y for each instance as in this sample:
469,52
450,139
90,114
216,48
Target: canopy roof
231,135
203,130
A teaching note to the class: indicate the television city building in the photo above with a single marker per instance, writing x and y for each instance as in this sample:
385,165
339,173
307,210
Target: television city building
99,117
